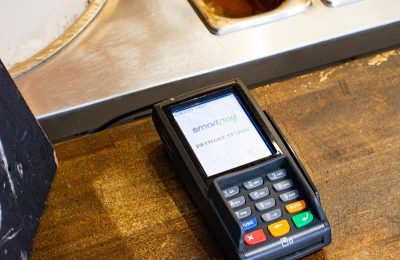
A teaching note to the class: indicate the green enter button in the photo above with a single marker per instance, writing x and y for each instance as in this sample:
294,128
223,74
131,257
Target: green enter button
303,219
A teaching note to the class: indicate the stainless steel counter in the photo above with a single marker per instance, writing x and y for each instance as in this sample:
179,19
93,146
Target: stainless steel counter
138,52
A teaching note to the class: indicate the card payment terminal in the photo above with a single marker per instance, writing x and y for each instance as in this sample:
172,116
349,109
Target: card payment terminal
241,172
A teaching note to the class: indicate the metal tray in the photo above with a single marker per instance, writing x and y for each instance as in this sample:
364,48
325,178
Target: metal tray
94,7
222,25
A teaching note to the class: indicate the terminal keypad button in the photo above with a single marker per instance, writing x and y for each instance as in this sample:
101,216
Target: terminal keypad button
277,175
279,228
283,185
265,204
243,213
256,237
260,204
272,215
237,202
249,224
230,192
303,219
295,206
252,184
289,196
259,194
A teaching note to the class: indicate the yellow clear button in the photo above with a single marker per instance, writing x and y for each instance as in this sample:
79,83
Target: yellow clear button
279,228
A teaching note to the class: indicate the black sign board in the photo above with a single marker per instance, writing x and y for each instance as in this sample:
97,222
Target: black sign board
27,167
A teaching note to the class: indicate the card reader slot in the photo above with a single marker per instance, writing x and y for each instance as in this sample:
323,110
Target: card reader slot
295,245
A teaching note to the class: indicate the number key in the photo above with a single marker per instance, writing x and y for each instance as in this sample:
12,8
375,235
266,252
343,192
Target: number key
230,192
276,175
290,195
237,202
259,194
272,215
243,213
251,184
265,204
283,185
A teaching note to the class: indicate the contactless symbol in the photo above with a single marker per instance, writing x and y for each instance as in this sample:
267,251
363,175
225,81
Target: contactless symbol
286,242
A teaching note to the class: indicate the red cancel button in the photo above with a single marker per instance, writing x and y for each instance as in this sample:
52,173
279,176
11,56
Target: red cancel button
255,237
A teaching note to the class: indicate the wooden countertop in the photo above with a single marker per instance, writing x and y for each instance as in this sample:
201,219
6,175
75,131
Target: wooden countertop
116,194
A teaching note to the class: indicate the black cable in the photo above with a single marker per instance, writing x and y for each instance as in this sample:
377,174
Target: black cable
122,117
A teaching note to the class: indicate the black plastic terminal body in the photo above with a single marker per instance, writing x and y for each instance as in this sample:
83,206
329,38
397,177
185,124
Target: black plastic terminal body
207,192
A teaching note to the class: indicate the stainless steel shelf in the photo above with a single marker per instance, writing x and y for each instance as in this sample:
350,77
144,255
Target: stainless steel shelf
138,52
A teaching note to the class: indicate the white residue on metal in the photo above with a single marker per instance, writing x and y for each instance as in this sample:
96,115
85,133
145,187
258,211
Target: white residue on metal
32,25
5,165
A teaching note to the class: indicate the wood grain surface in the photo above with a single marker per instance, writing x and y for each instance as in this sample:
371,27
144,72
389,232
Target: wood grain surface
116,194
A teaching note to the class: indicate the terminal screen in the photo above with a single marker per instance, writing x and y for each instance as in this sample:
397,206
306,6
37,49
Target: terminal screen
220,133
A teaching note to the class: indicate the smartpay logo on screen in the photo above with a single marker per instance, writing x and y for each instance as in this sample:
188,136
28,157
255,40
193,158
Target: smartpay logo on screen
221,134
219,122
